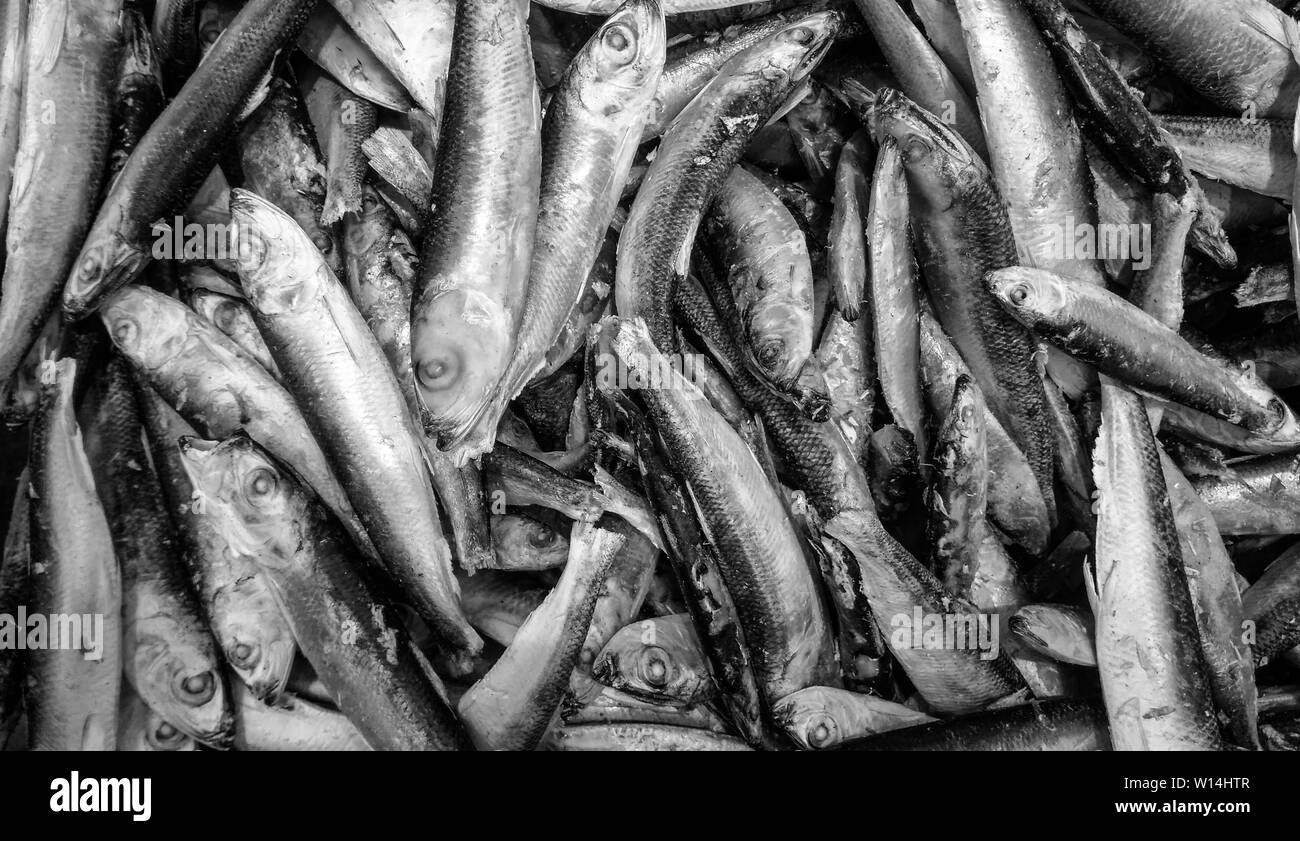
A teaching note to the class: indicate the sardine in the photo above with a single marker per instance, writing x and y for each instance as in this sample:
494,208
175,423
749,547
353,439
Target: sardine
342,122
497,603
1272,603
640,737
524,544
658,659
846,257
1253,154
822,717
291,723
233,317
1061,632
331,44
1058,724
13,65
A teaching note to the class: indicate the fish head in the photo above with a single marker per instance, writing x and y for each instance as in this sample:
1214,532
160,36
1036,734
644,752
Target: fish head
932,153
256,504
626,56
966,416
650,660
184,685
460,345
148,327
280,268
781,336
1033,296
800,47
260,651
222,310
809,717
524,543
107,262
141,728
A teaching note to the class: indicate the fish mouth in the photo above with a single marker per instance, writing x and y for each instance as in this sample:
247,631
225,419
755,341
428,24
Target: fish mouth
92,283
894,115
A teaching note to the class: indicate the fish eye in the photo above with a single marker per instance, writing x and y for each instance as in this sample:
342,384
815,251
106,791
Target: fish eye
770,353
541,537
801,35
324,242
439,373
369,202
165,736
89,265
260,483
196,690
244,655
822,731
916,149
224,315
619,37
125,332
1018,294
655,666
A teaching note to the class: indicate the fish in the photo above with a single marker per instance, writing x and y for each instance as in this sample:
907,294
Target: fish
961,232
342,123
640,737
1213,49
819,127
71,693
523,543
1153,672
1122,341
622,595
344,626
1062,632
1255,154
780,611
613,707
217,387
694,160
139,93
512,706
381,264
1056,724
474,272
292,723
15,575
331,45
846,256
497,603
942,26
281,162
767,264
139,728
168,653
178,152
608,7
233,317
921,73
13,63
847,358
1271,604
175,32
64,132
822,717
589,141
340,376
1015,504
658,659
235,599
413,39
894,296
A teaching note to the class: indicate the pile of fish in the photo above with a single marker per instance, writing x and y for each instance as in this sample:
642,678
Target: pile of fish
649,374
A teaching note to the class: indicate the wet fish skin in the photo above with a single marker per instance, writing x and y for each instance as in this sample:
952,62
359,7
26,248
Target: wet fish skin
694,159
175,33
139,92
1122,341
777,601
342,123
622,594
474,272
497,603
922,75
282,163
1062,632
589,141
512,706
524,544
340,376
614,707
178,151
331,44
141,729
292,723
233,317
1273,604
847,358
894,296
169,655
348,631
15,575
822,717
1212,47
1253,154
640,737
1153,673
381,266
770,273
962,232
217,387
657,659
847,255
249,627
73,54
1015,505
1057,724
13,65
71,700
